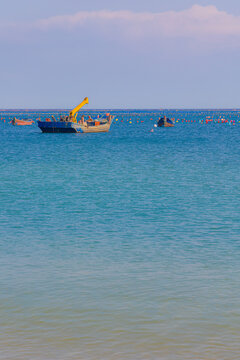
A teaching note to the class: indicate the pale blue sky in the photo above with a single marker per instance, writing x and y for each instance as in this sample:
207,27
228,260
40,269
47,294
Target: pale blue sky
153,54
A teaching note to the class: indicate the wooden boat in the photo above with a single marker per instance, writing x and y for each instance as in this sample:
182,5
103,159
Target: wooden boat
21,122
165,122
69,124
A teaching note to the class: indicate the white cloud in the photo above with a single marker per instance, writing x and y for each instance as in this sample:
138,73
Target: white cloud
195,22
198,22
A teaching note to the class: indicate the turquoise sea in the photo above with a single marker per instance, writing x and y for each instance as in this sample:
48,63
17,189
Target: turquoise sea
123,245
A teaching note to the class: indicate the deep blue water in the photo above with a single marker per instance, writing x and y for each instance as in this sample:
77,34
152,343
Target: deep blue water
123,245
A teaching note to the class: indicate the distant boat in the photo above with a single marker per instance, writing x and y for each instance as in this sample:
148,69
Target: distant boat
16,121
69,124
165,122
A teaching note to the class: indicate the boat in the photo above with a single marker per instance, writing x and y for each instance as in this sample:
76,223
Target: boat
165,122
93,126
16,121
70,124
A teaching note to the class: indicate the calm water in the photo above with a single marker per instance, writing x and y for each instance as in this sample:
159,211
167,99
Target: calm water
123,245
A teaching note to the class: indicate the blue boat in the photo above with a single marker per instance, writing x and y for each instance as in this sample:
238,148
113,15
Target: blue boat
69,124
165,122
94,126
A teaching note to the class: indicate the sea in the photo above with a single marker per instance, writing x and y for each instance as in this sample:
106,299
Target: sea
123,245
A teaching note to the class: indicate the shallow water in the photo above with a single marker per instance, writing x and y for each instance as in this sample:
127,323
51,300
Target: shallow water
123,245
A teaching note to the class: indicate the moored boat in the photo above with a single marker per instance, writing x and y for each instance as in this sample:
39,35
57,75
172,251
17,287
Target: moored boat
93,126
165,122
69,124
16,121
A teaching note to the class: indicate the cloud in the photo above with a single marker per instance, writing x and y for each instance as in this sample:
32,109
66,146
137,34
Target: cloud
199,22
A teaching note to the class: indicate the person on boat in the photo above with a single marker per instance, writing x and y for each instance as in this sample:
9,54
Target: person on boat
89,118
81,121
108,115
64,118
53,118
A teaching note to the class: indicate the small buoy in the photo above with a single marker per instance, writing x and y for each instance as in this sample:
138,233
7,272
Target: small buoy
151,130
155,125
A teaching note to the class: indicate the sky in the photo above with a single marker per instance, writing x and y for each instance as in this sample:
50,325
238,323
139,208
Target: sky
121,54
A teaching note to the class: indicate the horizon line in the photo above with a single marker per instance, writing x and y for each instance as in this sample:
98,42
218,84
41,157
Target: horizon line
119,109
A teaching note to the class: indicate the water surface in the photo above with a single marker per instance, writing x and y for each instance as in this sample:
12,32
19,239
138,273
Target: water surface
123,245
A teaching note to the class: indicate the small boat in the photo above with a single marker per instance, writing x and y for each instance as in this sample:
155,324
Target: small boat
165,122
69,124
16,121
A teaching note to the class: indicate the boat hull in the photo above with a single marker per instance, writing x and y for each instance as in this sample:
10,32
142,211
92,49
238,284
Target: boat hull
92,128
165,123
18,122
71,127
